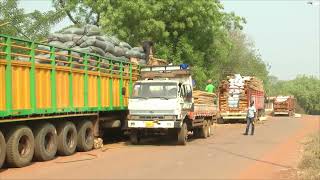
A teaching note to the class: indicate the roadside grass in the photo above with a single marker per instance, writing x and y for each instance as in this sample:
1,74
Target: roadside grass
309,166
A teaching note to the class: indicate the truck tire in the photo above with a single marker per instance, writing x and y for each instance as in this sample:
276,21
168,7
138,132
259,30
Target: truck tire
182,135
204,130
20,146
196,132
134,137
85,136
2,149
67,138
46,142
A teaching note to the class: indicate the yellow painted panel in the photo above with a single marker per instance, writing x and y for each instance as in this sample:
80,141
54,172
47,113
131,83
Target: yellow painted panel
78,89
105,92
2,88
62,79
93,91
115,92
20,88
43,88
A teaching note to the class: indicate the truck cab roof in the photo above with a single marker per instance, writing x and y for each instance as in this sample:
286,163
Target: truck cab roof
158,81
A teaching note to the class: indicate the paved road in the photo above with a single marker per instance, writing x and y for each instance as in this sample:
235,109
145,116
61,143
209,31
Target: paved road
226,155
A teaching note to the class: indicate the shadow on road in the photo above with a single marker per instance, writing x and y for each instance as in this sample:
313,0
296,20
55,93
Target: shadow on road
3,170
253,159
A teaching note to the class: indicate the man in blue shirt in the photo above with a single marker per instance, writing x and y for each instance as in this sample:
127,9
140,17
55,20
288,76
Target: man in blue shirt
250,118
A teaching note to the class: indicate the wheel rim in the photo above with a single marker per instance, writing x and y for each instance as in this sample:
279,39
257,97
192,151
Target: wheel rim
24,146
70,139
48,142
88,135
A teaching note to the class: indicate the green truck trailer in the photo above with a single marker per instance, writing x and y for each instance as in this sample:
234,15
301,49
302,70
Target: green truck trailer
56,101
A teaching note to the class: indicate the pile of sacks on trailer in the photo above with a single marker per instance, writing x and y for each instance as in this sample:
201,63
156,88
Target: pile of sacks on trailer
236,88
233,91
89,39
281,99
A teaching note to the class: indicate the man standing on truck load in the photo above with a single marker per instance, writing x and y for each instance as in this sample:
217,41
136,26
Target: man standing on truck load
250,118
210,87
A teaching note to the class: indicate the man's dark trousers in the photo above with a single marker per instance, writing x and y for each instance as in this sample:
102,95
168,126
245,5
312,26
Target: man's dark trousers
250,121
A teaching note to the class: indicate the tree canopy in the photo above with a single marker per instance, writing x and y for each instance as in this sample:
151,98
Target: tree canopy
34,26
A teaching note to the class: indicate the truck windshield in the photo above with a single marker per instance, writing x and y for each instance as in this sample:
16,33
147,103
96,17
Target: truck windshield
155,90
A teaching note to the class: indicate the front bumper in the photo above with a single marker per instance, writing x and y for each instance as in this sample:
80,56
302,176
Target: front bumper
154,124
229,115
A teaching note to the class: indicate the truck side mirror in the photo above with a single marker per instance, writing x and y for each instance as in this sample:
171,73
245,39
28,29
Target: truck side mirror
123,91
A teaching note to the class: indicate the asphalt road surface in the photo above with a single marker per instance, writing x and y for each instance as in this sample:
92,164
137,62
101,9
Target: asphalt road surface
272,153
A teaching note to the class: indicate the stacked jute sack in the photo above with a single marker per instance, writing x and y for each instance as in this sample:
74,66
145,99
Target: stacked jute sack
233,92
89,39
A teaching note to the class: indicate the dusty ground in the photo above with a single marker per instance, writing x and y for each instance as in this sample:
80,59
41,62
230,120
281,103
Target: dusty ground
272,153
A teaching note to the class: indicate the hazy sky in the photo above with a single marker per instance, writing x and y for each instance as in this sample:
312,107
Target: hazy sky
285,32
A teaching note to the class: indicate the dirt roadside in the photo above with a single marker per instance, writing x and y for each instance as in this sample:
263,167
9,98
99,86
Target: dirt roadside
284,157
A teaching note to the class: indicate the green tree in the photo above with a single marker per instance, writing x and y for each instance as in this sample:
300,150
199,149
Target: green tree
82,11
35,25
198,32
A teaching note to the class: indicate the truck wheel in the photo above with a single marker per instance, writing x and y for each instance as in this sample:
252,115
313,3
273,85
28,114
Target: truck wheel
85,136
20,146
196,132
134,137
204,130
183,134
67,138
46,142
2,149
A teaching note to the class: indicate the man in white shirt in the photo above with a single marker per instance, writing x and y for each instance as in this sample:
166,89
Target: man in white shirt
250,118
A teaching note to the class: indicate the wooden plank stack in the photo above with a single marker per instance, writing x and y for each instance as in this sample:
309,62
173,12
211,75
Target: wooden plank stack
201,97
255,84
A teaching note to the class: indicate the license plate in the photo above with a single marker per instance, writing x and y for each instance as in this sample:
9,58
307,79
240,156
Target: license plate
149,124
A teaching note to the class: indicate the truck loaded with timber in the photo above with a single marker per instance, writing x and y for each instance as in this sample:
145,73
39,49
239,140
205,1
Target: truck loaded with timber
235,95
284,105
57,101
164,103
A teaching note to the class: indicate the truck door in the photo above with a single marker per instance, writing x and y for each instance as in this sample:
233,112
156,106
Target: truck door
187,97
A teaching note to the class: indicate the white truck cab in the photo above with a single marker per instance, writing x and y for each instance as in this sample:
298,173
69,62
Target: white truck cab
160,101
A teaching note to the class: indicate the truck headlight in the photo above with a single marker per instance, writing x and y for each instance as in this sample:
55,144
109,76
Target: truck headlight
170,117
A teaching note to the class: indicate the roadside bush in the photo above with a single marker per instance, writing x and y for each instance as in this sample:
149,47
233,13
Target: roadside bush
310,162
